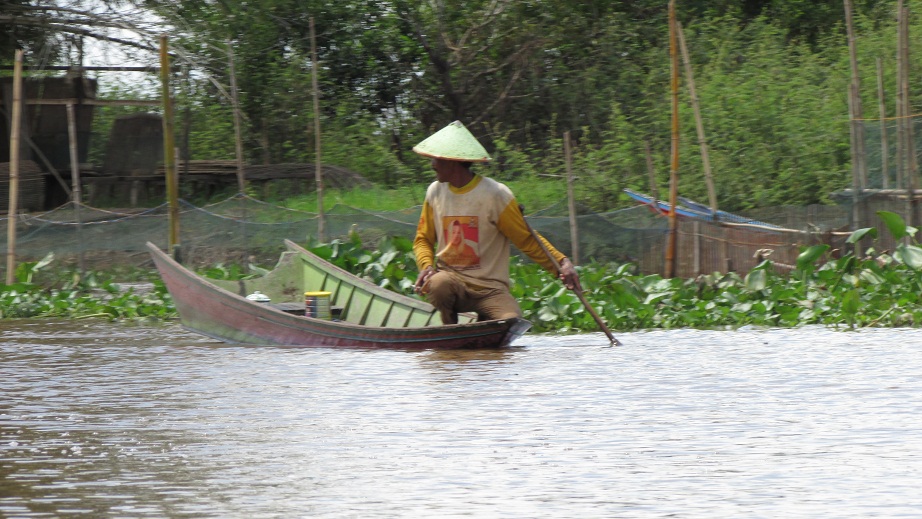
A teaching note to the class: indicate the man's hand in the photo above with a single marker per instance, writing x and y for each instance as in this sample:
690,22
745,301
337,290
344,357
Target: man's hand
568,275
423,278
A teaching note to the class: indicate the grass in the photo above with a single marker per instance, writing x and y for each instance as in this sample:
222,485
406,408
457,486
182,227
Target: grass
374,199
535,194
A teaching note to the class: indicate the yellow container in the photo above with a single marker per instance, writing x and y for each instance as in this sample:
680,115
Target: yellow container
317,304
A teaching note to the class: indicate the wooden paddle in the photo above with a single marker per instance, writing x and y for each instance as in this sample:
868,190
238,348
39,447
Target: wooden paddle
576,289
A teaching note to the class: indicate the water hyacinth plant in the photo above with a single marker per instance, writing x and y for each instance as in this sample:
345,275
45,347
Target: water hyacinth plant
880,288
90,295
877,289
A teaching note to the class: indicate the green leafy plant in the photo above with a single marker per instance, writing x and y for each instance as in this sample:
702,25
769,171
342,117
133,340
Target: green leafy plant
93,294
877,289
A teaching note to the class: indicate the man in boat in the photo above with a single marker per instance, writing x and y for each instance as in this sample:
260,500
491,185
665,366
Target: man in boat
467,224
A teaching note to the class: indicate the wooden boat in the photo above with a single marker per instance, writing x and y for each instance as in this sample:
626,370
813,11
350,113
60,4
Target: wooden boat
366,315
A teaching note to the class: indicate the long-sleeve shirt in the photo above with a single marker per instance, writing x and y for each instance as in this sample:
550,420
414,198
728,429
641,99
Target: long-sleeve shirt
469,230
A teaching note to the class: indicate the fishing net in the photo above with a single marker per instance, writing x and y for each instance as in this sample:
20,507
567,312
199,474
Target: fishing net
242,229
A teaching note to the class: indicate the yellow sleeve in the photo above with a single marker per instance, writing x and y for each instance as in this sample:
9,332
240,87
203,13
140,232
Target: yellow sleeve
512,224
424,243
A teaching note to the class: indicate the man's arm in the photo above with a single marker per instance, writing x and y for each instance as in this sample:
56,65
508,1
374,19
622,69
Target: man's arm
512,223
424,246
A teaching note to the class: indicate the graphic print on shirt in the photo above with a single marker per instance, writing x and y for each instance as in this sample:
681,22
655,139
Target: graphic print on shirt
460,242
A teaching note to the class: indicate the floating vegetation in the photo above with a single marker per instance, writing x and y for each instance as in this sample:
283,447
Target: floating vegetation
880,289
93,294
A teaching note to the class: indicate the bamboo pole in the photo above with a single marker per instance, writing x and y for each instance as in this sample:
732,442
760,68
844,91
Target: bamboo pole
854,114
238,148
860,152
884,141
912,165
76,188
76,191
15,129
903,117
571,202
238,140
856,179
900,103
674,167
169,152
187,127
577,289
699,124
318,160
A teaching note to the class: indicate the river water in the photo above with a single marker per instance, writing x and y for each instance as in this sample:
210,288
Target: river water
110,420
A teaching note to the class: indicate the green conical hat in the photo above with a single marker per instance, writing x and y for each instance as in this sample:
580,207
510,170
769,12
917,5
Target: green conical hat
453,142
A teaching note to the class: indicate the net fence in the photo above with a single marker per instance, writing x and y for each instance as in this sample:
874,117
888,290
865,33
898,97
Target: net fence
882,152
242,229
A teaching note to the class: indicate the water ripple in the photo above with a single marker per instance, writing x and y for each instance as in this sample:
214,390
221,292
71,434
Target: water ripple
98,419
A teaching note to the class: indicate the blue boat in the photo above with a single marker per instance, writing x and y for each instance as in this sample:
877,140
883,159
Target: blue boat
691,209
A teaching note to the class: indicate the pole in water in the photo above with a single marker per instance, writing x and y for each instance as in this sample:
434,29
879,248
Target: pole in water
576,289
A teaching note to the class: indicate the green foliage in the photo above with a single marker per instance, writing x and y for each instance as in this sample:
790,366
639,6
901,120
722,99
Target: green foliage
875,290
227,272
390,265
872,291
771,78
25,271
895,224
807,258
91,295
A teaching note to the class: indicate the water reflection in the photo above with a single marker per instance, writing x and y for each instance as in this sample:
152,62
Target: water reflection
453,361
101,420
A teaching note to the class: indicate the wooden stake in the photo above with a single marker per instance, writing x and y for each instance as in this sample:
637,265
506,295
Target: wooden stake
187,128
571,202
238,140
699,124
76,189
884,144
169,150
674,167
858,113
900,102
77,193
238,148
15,129
854,116
318,162
912,164
905,160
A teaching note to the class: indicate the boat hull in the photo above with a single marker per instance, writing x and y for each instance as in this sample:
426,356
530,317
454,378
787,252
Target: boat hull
210,310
